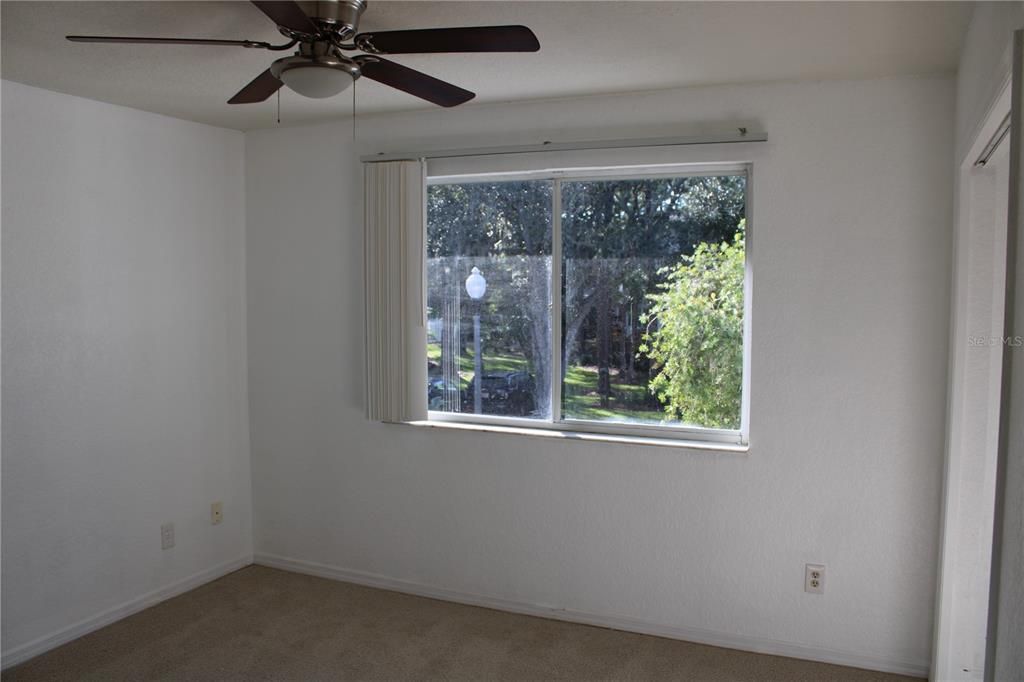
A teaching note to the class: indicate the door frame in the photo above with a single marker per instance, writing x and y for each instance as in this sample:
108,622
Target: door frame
954,543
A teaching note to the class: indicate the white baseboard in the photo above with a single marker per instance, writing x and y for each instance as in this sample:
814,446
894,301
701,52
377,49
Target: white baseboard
714,638
22,653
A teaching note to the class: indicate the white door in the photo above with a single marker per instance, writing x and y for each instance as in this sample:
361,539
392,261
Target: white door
979,282
1005,651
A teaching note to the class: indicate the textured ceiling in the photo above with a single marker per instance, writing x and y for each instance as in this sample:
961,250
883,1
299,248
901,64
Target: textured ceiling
586,48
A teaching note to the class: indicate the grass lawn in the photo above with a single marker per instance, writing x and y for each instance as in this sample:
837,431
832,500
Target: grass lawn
493,364
581,398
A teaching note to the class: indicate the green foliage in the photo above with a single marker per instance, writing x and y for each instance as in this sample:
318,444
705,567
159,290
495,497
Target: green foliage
694,335
485,219
617,237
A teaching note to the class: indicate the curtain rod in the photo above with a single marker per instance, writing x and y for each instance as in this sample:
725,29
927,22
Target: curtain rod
993,144
742,135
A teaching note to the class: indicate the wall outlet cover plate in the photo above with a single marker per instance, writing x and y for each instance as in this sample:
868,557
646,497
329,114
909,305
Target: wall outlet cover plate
814,578
167,536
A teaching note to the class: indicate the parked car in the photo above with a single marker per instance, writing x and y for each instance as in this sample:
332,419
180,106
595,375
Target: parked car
506,393
438,388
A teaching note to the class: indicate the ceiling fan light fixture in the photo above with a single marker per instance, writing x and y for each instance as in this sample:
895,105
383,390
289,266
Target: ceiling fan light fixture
316,81
316,76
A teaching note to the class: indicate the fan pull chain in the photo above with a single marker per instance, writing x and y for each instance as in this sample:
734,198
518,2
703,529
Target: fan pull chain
278,106
354,110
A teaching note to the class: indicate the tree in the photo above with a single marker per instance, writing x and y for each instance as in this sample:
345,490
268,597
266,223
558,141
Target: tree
694,335
617,235
504,228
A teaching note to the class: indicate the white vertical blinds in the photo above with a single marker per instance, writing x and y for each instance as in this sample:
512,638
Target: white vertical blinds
396,338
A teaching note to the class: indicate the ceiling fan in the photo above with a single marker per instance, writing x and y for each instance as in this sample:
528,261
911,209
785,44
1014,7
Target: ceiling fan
320,68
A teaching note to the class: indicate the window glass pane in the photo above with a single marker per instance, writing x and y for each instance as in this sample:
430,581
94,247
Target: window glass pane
503,230
652,327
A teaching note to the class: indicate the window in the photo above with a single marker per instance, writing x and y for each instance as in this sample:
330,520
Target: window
605,301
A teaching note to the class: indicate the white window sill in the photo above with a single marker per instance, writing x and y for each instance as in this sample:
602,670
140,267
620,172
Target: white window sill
707,446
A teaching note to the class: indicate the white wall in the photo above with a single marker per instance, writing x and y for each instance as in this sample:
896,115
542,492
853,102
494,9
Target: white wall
852,217
124,371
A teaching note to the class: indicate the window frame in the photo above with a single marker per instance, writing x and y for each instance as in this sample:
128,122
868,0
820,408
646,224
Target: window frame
556,421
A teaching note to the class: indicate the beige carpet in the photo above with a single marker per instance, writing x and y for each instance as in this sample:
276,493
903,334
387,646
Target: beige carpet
263,624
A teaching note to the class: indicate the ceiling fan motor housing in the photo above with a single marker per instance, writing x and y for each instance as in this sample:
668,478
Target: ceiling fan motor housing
341,17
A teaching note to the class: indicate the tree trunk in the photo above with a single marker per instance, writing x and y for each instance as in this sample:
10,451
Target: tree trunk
604,386
624,341
539,268
574,321
450,342
631,333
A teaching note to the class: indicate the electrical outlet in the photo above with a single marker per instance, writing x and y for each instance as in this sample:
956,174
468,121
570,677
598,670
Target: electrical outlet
814,578
216,513
167,536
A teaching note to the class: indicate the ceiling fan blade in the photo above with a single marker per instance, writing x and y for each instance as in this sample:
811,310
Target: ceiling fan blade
288,14
413,82
261,87
468,39
165,41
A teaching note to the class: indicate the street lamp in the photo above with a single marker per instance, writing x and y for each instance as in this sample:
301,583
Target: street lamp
476,287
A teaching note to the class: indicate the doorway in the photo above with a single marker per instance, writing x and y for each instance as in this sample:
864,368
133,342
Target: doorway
979,276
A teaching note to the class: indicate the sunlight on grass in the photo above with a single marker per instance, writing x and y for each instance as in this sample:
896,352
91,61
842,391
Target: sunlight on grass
581,399
493,364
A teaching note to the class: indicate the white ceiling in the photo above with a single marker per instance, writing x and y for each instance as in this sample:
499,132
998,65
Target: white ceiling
586,48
